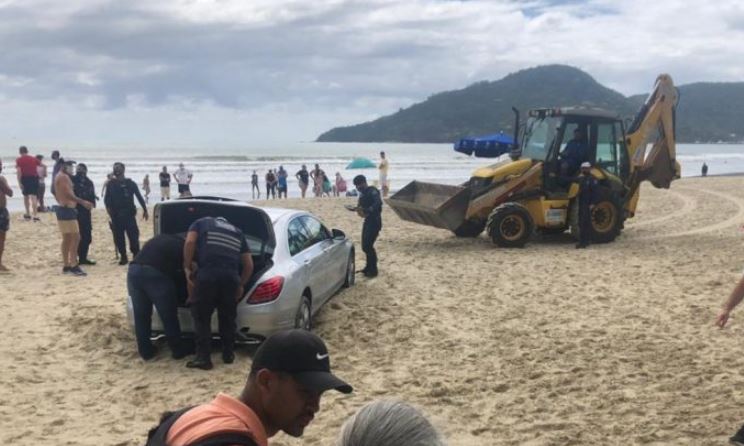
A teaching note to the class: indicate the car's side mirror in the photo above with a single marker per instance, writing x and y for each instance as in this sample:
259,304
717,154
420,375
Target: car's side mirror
338,234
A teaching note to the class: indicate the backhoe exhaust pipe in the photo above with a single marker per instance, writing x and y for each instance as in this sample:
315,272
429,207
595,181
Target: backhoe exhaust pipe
515,153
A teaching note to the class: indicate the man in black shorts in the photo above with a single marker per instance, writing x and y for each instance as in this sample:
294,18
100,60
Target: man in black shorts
303,179
28,180
183,177
165,180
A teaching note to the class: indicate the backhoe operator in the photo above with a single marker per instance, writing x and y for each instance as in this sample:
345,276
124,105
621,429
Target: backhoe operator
573,154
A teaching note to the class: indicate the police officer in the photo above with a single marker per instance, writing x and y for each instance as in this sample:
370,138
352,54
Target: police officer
85,189
155,278
588,186
369,207
220,248
119,200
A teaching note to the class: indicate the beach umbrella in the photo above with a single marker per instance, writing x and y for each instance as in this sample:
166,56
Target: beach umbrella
361,163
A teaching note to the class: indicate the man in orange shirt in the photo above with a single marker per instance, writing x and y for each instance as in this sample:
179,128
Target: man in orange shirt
290,372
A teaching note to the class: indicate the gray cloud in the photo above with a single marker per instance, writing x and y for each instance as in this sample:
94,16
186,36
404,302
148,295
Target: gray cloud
342,60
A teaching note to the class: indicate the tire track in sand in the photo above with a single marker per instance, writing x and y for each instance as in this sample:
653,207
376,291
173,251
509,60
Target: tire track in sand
688,206
731,221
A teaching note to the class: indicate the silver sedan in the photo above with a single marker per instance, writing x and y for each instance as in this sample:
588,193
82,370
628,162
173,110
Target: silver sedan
299,264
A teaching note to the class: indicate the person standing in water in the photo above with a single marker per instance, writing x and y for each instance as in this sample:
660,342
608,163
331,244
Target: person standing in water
383,167
255,188
146,187
281,182
165,180
303,179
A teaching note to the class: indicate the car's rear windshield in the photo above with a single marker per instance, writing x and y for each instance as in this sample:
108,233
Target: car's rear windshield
176,217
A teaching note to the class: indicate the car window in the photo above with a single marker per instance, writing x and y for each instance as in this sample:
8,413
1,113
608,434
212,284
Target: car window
317,231
298,236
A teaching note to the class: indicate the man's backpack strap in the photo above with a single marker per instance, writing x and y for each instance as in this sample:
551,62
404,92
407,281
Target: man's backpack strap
228,439
158,434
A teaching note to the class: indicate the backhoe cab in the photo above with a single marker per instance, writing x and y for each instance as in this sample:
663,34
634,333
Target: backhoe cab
537,190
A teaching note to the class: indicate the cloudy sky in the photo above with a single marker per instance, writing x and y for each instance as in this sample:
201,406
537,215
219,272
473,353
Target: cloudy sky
234,73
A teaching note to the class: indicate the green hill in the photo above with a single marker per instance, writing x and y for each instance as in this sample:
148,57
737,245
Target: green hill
707,113
711,112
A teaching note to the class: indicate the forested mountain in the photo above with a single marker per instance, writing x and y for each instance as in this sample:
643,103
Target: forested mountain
708,112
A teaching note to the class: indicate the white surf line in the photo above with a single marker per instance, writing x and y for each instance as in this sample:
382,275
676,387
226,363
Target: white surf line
688,205
731,221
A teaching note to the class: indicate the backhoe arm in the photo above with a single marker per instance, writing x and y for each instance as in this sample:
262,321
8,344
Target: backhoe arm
654,123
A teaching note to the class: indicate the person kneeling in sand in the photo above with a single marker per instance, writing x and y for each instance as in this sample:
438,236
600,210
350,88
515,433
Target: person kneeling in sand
289,373
388,422
5,191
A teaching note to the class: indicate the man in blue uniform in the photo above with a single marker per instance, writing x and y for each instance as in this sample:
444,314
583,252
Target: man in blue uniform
155,278
220,249
369,207
573,154
85,189
588,186
119,201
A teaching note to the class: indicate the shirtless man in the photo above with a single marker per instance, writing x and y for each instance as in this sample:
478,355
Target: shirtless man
67,218
5,191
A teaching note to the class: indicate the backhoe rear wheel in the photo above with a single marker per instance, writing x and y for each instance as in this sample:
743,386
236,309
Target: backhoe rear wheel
470,228
607,217
510,225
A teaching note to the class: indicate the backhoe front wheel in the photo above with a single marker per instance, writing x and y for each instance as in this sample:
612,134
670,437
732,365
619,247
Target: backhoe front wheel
606,217
510,225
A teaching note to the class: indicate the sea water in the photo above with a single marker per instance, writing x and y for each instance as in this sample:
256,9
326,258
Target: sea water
227,172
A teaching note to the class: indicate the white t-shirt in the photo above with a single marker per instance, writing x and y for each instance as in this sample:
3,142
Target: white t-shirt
182,176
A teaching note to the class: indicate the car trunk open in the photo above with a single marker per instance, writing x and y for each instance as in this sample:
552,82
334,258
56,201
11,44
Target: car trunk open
175,217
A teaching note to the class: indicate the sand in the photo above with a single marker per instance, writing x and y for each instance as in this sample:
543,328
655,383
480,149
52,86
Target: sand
546,345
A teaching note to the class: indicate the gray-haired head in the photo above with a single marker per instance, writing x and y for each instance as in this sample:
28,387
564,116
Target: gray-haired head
389,422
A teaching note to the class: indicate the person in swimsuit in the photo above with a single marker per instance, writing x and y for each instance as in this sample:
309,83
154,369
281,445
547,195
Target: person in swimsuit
67,218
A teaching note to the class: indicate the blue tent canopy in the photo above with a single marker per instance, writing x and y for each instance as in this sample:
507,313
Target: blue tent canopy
490,146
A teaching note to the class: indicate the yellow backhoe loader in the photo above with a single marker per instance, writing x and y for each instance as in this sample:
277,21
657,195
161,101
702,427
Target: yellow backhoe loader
535,191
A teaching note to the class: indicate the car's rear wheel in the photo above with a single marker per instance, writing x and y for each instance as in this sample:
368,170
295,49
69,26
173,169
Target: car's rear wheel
350,273
303,319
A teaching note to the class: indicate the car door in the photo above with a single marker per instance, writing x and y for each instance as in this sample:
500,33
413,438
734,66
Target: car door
307,255
332,259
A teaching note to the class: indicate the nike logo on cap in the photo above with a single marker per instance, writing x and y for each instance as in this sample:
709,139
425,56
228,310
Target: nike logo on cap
321,357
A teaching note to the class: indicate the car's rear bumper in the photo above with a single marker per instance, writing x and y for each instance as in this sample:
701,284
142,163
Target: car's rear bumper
254,322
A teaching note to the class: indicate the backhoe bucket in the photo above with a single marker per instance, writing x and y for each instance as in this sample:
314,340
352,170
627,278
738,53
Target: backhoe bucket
660,170
438,205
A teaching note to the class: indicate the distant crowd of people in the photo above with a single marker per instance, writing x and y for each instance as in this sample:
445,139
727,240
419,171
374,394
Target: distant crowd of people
322,185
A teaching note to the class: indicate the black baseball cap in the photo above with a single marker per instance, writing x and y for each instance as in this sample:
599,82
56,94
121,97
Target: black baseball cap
301,354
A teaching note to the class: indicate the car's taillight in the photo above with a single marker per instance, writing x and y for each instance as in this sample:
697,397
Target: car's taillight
267,291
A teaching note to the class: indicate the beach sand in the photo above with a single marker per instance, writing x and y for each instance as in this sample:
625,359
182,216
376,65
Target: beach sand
546,345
